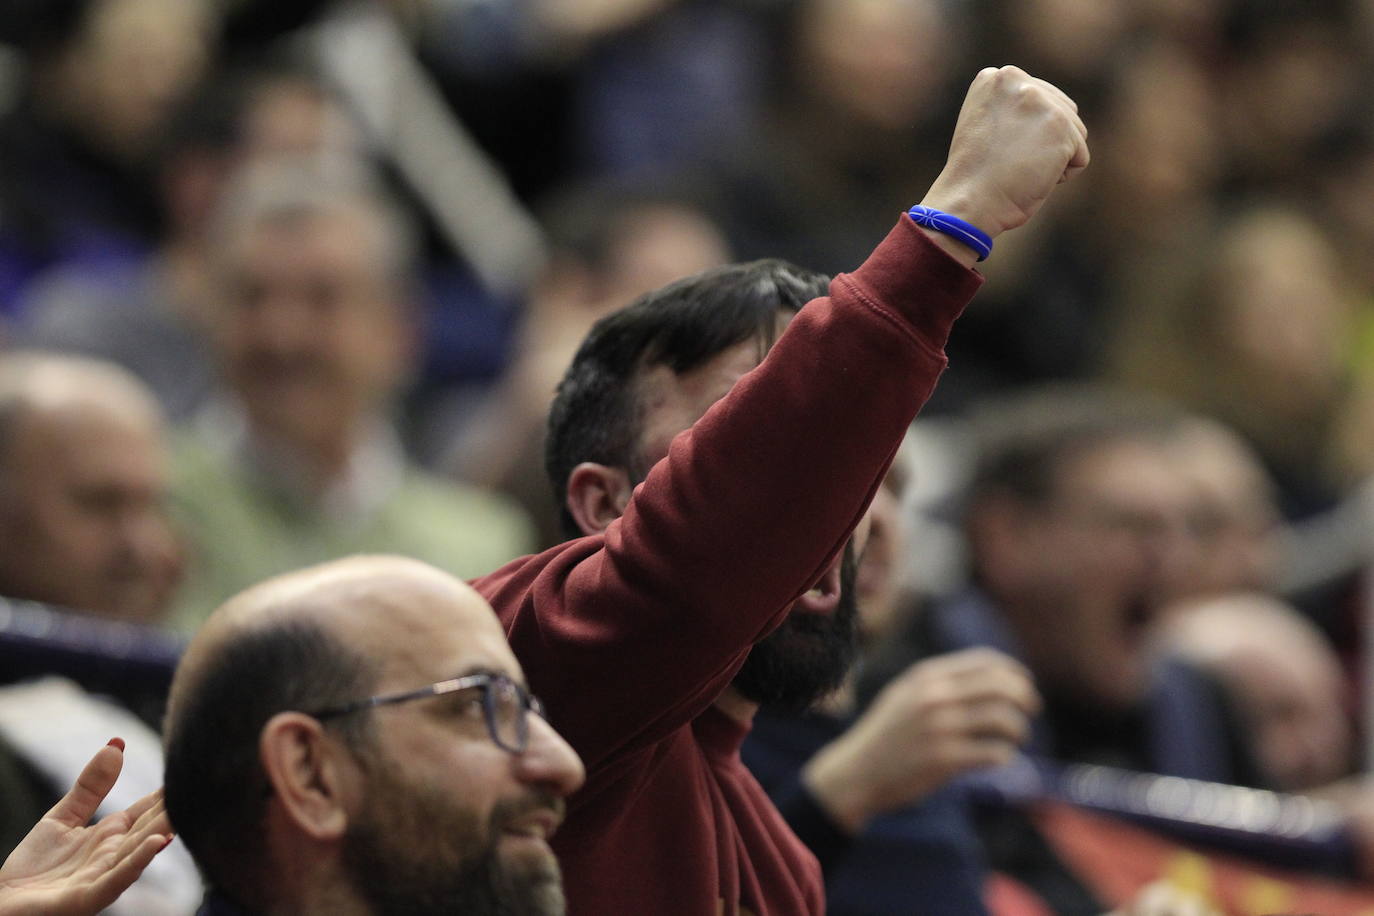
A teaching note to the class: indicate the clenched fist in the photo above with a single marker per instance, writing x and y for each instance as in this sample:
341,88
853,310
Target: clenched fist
1016,138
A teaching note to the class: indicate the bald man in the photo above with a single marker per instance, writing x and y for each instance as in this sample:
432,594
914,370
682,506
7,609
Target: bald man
357,737
83,476
1283,676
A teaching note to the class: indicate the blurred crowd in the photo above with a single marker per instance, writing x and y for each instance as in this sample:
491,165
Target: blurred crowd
281,282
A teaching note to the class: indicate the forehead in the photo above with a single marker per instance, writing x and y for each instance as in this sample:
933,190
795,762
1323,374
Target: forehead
672,402
87,441
1126,471
424,631
340,238
319,228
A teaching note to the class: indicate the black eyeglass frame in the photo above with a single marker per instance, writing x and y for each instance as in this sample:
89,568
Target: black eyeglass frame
490,684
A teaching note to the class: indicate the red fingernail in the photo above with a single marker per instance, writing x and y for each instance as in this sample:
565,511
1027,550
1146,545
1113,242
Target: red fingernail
116,743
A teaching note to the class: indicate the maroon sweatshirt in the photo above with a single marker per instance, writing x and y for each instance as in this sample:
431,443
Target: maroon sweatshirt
631,636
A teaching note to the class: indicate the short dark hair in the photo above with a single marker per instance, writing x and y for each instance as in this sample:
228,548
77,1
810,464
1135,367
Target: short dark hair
596,413
216,788
1022,442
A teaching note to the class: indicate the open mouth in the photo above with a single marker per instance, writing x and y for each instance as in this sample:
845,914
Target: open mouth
824,596
534,825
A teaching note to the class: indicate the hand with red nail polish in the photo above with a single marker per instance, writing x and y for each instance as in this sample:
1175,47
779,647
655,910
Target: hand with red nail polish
67,866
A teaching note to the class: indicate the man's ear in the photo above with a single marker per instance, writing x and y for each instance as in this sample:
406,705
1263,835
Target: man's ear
597,495
307,773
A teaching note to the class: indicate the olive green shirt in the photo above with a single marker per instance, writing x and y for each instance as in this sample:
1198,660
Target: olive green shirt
242,525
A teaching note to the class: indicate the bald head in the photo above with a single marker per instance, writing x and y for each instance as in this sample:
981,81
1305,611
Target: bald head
83,479
48,380
1214,629
260,776
1284,676
378,606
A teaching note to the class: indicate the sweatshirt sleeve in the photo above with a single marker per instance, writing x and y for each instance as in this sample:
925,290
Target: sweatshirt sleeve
630,634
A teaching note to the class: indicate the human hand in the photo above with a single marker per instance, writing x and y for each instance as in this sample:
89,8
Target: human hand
939,718
1016,138
64,867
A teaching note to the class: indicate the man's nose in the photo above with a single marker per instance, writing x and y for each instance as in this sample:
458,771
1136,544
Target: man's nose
146,535
550,761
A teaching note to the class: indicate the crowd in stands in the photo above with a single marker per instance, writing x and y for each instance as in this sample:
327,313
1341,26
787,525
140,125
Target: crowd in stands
286,283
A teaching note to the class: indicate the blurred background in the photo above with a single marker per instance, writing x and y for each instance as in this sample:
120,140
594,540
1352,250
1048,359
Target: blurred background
321,264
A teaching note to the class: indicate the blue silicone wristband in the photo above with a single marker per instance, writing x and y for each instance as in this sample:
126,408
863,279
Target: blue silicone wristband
953,227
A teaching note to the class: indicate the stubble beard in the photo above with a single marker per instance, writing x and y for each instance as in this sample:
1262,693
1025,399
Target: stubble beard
415,852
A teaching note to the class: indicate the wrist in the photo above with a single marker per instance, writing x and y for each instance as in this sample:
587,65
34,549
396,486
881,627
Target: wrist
968,201
834,786
947,224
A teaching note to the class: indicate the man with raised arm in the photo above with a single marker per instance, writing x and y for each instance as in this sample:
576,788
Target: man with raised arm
717,491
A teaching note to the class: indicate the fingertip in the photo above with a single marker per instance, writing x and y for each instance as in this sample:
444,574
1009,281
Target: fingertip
116,742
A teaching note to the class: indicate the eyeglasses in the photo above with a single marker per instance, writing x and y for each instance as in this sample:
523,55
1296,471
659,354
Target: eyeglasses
505,706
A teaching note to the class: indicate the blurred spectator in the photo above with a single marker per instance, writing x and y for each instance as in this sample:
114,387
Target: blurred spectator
1072,42
1257,340
881,582
854,128
102,78
1233,514
659,94
1078,533
1053,298
609,89
609,244
869,790
83,480
83,476
1343,177
299,462
1293,76
1199,25
151,317
874,780
1286,682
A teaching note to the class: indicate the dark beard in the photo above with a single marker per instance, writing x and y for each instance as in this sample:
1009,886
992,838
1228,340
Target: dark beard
416,853
807,656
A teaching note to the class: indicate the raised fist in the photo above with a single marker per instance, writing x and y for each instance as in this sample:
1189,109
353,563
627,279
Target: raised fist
1016,138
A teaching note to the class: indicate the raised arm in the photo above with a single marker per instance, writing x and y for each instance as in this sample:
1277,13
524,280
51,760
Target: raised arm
64,867
634,633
